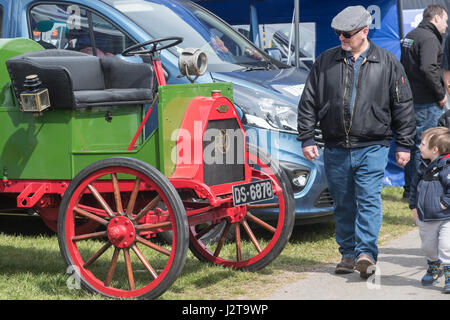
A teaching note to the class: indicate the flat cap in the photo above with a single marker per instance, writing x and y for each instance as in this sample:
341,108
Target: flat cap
351,18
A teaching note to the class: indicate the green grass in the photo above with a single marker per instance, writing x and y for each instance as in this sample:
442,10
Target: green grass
33,269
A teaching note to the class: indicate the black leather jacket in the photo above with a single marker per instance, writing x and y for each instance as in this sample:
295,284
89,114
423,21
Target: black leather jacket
422,59
383,101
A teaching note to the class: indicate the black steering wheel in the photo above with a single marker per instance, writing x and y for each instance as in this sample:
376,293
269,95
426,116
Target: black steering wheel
130,50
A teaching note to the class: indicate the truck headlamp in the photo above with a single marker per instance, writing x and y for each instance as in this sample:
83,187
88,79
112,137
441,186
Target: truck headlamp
192,62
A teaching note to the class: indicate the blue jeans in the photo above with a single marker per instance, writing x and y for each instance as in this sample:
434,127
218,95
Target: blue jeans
427,116
355,179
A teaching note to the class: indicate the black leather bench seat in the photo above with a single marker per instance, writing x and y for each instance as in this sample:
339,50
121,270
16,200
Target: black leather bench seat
91,98
78,80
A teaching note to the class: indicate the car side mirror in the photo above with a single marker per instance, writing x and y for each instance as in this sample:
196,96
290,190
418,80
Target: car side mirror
274,53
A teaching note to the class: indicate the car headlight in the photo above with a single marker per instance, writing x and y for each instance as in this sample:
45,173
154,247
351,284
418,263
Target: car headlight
298,174
263,111
300,178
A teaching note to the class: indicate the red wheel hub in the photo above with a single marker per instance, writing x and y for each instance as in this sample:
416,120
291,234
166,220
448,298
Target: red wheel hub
121,232
237,213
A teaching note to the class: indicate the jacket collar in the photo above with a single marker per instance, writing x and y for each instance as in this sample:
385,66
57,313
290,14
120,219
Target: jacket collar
438,162
427,25
444,159
372,55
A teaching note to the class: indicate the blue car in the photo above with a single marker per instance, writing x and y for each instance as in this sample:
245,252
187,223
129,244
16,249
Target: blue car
266,91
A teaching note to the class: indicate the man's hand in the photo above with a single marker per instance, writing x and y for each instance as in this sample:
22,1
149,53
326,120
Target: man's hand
447,80
252,54
443,102
402,158
414,213
310,152
218,44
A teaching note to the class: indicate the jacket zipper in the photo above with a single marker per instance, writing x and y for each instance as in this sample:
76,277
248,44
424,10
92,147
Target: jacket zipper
343,101
396,91
347,142
354,99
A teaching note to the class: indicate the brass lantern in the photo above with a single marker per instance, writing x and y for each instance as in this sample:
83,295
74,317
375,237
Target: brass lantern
34,98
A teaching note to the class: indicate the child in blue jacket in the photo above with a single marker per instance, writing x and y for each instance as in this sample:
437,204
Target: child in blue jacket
430,203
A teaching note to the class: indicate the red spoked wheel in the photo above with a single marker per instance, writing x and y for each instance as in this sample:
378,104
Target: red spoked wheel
249,242
132,202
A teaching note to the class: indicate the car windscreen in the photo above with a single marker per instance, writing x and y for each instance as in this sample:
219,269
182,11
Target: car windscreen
200,29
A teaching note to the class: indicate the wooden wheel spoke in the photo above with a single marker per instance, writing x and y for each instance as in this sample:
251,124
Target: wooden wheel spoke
126,254
89,215
96,255
260,222
96,211
88,236
251,235
151,205
152,245
112,267
222,239
144,261
152,226
101,201
205,230
238,241
116,189
133,197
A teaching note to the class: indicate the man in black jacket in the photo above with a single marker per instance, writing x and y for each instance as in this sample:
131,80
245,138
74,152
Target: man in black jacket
422,58
444,120
446,66
361,96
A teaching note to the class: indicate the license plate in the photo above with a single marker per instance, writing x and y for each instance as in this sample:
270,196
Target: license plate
252,192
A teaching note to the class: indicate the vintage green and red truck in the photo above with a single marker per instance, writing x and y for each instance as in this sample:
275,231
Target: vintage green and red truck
127,206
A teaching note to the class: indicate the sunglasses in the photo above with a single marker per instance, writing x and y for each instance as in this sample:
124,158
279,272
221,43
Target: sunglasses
345,34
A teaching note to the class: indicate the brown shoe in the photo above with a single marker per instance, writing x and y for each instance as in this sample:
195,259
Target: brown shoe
345,266
363,263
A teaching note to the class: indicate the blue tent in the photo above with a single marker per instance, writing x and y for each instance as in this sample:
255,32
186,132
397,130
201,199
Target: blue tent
385,31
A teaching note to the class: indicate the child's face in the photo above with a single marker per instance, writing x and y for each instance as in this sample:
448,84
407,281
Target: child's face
426,152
